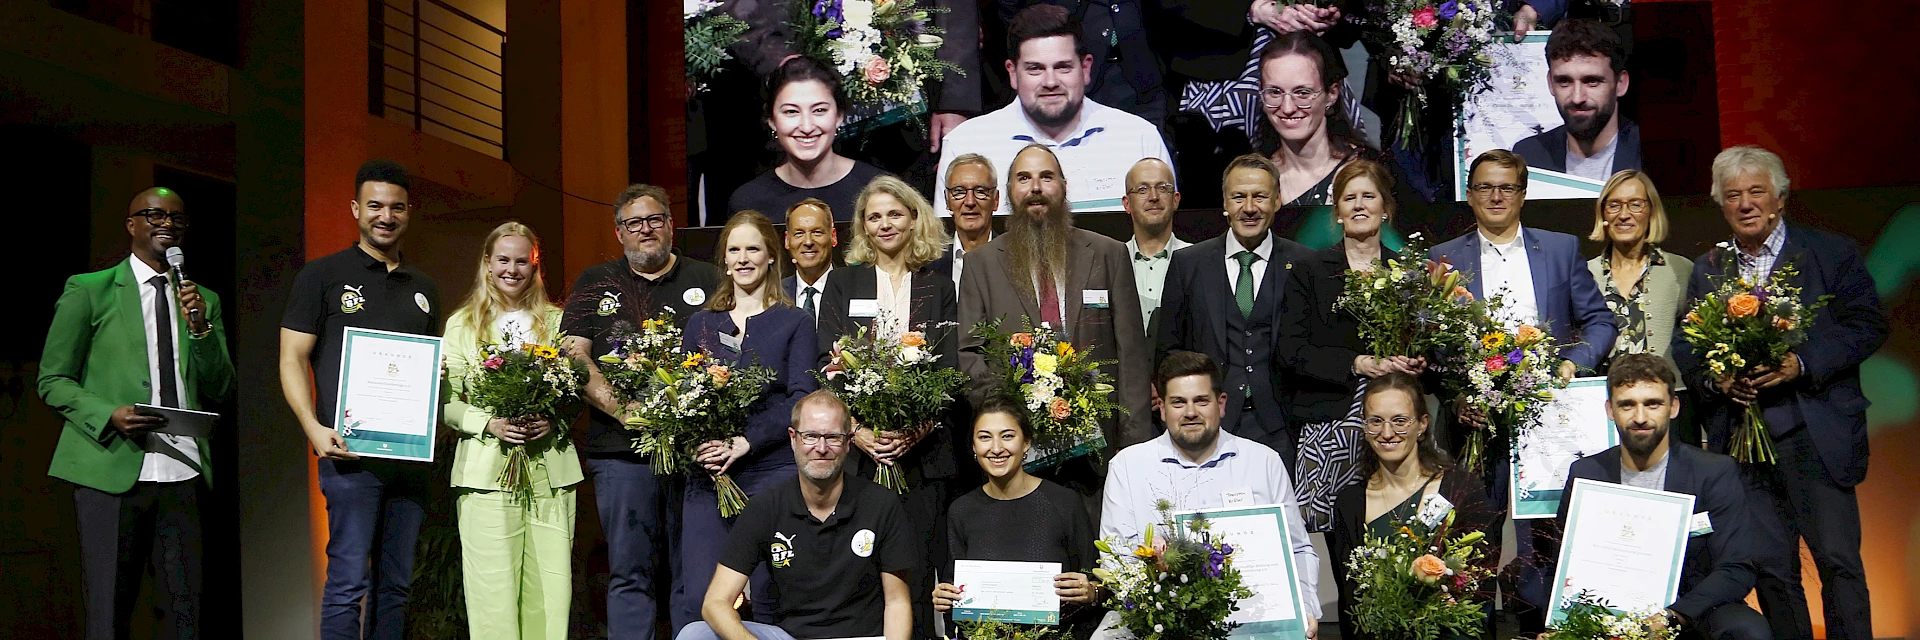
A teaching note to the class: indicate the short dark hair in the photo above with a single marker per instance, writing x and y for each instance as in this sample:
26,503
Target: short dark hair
1012,408
1634,368
1042,21
637,191
1502,158
804,69
1180,364
1586,38
381,170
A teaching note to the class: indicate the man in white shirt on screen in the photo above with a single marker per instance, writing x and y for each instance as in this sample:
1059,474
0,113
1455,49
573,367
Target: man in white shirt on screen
1096,144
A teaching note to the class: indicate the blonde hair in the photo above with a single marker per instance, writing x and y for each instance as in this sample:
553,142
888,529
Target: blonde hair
486,302
1656,213
927,240
1735,160
770,289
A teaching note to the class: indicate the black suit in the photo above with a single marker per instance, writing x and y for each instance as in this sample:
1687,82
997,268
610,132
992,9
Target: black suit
1317,345
1198,313
1819,426
1719,567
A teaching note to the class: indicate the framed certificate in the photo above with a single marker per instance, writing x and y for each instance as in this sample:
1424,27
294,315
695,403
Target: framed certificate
1623,544
1263,552
1018,592
1574,425
389,394
1517,106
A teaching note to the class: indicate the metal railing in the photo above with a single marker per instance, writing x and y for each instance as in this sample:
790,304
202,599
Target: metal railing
439,70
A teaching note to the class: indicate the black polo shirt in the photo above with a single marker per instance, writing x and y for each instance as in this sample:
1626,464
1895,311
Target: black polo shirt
832,568
354,289
610,297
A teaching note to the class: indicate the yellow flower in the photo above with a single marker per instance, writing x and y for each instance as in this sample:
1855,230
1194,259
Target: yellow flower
693,360
1045,362
546,352
1065,349
1493,340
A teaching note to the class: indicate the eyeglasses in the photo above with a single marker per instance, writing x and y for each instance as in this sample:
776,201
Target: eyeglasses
1302,98
158,217
1400,425
833,440
1636,205
1164,189
961,193
636,224
1483,189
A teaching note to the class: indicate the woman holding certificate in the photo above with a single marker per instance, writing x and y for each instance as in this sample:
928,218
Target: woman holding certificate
1017,517
516,546
749,321
1402,469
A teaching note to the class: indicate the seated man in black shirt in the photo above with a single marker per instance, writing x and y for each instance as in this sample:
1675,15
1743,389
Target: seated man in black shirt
1718,570
837,546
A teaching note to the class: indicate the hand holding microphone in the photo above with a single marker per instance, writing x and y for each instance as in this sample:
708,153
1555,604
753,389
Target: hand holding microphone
191,302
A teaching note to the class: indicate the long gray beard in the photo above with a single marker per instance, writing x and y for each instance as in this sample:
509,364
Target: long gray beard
1036,246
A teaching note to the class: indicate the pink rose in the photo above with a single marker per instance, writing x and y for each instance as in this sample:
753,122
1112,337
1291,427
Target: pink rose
878,71
493,363
1426,18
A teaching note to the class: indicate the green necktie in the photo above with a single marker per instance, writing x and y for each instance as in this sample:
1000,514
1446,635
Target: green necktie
1243,288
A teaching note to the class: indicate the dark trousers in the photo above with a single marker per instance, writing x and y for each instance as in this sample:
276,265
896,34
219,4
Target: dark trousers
373,524
703,536
1730,621
1794,499
1283,441
153,525
634,514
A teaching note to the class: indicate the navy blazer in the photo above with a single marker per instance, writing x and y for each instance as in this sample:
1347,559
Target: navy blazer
1193,312
780,338
1719,566
1568,299
931,303
1548,149
1848,330
1317,344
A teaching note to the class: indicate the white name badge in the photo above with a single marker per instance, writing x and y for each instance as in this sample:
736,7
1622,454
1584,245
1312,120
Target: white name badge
1702,524
868,308
1095,298
730,341
1240,497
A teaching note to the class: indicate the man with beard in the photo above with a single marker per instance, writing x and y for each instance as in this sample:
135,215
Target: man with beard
972,195
837,547
1719,567
1587,72
810,240
1197,466
124,336
1151,200
1044,270
637,508
1050,68
374,506
1224,299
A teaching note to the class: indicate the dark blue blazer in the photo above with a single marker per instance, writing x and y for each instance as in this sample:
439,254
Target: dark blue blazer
1827,394
1719,566
1548,149
780,338
1568,299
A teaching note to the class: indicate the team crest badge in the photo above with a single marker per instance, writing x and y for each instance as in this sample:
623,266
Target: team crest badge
350,300
609,303
863,543
782,551
694,296
420,300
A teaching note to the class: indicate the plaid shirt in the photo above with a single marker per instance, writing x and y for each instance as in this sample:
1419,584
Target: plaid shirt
1755,268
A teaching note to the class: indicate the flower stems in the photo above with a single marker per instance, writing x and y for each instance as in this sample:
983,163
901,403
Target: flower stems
515,476
733,501
1751,443
891,477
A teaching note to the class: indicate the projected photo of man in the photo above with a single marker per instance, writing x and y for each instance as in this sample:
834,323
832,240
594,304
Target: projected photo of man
1587,73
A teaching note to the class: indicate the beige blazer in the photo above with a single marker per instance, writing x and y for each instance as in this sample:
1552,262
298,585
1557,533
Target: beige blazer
478,458
1666,289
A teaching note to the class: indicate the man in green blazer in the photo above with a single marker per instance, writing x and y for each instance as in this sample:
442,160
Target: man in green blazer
127,335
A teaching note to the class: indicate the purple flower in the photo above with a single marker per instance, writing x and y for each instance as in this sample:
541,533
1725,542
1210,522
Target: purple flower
1515,357
829,10
1760,292
1448,9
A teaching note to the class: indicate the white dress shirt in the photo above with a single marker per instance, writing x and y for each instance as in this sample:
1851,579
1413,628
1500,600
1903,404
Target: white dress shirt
960,257
1505,271
1150,273
158,467
1263,253
1095,154
800,286
896,304
1145,473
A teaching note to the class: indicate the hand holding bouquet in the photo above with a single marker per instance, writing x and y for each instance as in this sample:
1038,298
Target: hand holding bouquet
1585,616
1509,377
1179,585
695,401
1742,328
1419,583
1409,306
525,382
1065,392
893,384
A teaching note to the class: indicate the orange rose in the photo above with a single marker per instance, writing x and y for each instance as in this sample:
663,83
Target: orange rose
913,339
1783,323
1428,569
1023,340
719,373
1461,294
1059,409
1743,305
1528,334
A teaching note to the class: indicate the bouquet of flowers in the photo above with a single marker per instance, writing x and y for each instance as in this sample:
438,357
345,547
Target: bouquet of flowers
1587,617
1419,583
1509,375
693,401
1064,391
893,384
994,630
1180,585
1409,306
708,35
1740,326
1447,45
886,49
628,366
528,380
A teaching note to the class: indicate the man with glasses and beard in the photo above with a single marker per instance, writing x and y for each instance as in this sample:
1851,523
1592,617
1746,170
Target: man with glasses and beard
1587,73
637,508
1045,270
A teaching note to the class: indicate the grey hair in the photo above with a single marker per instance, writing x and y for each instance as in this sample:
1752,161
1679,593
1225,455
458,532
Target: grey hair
973,159
1735,160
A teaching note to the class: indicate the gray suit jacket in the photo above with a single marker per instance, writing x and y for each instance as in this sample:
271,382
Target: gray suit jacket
1665,286
1096,262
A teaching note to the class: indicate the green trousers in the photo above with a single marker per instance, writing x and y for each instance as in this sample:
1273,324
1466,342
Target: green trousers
518,562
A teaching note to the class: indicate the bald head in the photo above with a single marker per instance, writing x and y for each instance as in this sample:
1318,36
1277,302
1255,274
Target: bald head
156,221
1152,210
157,198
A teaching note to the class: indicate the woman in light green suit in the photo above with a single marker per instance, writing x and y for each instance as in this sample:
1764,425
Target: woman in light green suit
517,554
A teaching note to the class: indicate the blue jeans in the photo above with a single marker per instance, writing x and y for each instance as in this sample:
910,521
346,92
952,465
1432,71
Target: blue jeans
703,535
632,504
700,631
371,531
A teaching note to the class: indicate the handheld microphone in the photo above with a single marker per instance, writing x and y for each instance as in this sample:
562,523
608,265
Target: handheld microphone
176,262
